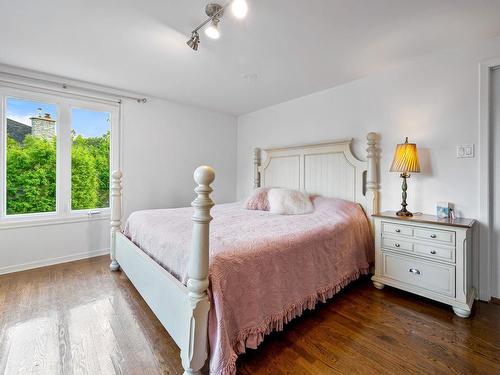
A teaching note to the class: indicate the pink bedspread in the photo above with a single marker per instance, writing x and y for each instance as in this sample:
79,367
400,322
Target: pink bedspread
265,269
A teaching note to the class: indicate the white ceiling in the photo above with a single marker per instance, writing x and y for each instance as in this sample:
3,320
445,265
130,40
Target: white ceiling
294,47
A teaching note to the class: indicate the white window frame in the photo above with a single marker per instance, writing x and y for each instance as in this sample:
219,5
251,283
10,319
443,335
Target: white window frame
65,103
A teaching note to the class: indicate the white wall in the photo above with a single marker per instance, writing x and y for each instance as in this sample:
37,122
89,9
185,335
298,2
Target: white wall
433,101
162,144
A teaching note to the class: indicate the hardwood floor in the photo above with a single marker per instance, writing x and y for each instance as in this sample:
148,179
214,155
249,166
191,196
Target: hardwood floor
79,318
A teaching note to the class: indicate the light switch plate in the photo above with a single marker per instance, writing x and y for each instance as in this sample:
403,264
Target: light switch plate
465,151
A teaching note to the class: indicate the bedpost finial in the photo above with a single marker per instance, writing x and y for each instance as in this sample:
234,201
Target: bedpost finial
117,174
372,136
372,139
256,153
204,175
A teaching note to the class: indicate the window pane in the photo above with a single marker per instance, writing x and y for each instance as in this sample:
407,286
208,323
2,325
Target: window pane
31,156
90,159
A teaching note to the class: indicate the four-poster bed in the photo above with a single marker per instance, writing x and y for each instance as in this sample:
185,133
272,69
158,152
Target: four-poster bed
328,169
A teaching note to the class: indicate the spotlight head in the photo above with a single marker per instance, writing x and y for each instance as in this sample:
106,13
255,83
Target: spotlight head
239,8
194,41
215,12
212,31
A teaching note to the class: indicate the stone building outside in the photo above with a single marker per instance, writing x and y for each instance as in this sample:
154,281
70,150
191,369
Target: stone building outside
43,126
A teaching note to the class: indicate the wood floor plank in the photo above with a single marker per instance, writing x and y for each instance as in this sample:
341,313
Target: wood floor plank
79,318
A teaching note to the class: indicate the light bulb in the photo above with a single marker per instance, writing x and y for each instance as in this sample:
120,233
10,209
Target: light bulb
239,8
212,31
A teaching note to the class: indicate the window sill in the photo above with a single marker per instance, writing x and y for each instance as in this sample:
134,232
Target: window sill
58,220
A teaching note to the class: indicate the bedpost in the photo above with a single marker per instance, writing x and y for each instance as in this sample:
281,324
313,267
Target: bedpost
372,185
195,352
116,216
256,165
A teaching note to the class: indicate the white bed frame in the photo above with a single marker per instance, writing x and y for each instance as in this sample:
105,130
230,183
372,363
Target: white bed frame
328,169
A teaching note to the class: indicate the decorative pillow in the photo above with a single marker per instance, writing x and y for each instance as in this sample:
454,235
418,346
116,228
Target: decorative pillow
289,202
258,200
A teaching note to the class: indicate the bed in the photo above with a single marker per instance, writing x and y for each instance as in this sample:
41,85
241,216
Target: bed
265,269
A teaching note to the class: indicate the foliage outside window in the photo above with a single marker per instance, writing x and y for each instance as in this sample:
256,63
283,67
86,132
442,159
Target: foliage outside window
90,172
31,175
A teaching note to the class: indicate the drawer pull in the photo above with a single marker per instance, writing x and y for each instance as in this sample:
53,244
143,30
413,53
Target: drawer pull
397,245
433,252
433,236
398,230
414,271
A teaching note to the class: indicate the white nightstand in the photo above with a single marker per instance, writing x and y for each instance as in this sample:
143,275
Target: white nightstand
427,256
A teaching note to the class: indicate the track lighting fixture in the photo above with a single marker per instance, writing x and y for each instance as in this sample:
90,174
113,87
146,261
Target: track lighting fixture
215,12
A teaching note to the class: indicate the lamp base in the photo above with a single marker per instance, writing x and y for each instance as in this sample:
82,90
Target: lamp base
404,212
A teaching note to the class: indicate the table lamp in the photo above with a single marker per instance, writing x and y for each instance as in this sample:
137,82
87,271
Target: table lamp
405,161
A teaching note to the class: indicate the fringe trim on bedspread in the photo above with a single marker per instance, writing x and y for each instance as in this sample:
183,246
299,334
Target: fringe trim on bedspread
255,335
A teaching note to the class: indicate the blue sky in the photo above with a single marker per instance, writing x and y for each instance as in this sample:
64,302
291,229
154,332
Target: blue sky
85,122
89,123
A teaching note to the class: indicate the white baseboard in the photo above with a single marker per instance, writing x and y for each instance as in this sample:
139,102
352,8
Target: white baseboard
52,261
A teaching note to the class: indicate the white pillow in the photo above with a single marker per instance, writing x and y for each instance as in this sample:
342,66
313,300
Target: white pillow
289,202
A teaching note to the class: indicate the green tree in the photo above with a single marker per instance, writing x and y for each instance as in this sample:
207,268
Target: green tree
84,181
31,175
90,172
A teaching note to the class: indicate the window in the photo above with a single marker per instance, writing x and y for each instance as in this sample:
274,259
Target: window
31,156
57,155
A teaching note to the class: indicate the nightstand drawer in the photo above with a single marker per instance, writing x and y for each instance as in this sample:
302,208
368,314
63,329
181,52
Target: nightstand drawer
396,244
397,229
440,236
437,278
434,252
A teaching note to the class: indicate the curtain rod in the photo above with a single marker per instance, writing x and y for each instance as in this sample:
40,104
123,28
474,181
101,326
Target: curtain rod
66,86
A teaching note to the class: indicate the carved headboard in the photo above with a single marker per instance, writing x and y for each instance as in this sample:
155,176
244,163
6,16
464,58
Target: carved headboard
328,169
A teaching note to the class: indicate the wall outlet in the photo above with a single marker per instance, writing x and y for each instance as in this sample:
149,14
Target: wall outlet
465,151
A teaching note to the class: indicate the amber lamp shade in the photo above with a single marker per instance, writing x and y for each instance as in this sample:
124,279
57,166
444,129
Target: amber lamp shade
405,161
